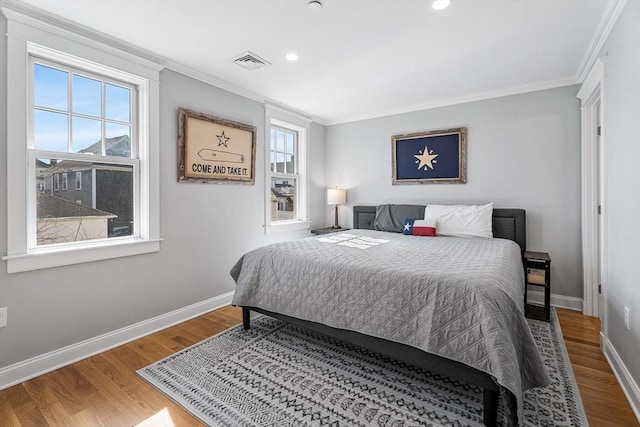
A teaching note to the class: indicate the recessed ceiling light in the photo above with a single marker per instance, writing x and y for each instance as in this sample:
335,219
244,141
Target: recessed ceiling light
440,4
314,5
292,56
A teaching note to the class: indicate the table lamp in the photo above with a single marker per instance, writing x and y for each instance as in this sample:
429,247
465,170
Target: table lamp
336,196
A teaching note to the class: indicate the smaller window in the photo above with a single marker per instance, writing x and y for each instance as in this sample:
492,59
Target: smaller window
56,182
78,180
284,176
286,166
65,181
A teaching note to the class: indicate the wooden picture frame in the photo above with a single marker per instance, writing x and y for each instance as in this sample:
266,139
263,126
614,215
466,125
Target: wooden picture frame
432,157
215,150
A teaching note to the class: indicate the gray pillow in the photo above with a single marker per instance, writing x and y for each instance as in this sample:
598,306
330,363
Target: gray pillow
391,217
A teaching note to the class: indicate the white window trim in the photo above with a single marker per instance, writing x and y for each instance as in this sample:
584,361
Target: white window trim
26,36
302,125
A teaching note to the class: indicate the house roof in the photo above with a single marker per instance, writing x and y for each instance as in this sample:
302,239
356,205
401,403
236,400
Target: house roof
118,146
49,206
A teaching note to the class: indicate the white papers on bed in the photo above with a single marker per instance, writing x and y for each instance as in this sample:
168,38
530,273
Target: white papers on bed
351,240
336,238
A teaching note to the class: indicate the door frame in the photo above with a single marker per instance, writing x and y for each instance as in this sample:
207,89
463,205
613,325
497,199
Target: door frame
594,247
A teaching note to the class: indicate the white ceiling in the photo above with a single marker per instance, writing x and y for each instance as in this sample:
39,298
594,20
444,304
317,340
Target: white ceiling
358,58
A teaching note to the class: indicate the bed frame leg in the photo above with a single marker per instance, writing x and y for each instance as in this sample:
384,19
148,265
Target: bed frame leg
246,318
491,407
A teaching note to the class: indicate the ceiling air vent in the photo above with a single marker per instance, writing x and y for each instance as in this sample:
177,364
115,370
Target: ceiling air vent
250,61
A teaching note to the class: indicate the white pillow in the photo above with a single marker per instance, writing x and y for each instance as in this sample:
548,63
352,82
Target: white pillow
461,220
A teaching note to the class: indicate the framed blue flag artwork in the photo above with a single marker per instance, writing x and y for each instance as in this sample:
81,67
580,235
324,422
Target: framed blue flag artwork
430,157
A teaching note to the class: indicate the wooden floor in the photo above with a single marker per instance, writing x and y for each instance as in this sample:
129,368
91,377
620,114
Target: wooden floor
603,400
104,390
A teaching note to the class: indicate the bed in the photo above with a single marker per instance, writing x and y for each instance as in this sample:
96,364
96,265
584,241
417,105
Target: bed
456,315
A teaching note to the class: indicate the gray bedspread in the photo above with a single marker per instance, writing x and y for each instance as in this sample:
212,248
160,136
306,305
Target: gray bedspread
460,298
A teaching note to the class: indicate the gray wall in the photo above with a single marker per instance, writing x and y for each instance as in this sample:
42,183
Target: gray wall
523,151
622,203
206,228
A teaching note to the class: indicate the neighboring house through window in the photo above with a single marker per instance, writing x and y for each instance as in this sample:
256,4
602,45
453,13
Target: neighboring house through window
287,185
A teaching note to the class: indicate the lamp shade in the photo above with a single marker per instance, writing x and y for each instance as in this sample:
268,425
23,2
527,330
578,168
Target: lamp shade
336,196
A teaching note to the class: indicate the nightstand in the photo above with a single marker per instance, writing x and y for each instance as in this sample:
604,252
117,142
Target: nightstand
538,273
327,230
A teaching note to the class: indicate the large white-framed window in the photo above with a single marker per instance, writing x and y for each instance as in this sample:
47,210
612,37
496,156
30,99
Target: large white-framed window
286,148
81,121
83,109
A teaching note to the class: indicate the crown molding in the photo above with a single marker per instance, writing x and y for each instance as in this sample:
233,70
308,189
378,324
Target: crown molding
459,100
591,81
607,21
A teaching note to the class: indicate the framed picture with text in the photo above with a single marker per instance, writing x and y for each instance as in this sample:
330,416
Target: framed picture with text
431,157
212,149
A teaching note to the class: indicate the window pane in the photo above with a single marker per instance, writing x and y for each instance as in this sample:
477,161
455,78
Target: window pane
273,161
87,136
273,139
117,140
50,87
118,103
290,165
280,141
64,216
50,131
289,140
283,199
280,162
87,96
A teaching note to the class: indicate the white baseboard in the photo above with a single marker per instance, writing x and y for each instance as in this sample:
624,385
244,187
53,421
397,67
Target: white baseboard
562,301
629,386
31,368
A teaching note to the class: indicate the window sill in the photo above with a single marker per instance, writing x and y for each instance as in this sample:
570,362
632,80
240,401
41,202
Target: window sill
77,255
284,226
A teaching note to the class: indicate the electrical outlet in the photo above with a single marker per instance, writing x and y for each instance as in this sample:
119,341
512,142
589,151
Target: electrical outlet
3,317
626,317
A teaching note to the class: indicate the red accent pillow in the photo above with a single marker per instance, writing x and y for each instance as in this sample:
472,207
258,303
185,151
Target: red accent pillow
423,227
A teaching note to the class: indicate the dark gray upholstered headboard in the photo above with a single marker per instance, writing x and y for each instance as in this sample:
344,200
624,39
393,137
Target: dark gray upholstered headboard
507,223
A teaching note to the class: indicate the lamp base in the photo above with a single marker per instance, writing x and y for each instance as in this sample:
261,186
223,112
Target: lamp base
335,224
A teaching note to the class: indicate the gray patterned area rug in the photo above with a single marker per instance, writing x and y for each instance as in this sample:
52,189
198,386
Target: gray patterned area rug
276,374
